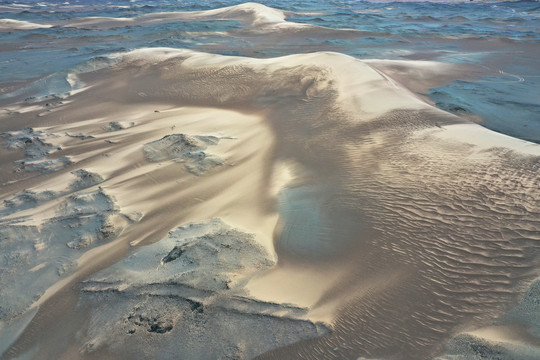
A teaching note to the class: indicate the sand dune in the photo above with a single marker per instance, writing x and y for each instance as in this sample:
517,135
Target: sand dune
253,17
396,225
184,148
10,25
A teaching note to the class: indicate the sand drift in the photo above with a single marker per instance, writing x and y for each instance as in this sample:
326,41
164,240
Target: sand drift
309,206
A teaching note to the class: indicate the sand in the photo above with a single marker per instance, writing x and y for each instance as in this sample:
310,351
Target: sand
308,206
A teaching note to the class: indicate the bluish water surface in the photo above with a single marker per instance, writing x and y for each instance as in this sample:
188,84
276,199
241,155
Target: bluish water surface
502,38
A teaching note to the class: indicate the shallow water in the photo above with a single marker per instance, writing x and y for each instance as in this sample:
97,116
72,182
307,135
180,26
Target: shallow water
500,37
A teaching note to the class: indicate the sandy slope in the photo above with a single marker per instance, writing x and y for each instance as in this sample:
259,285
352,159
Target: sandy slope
396,224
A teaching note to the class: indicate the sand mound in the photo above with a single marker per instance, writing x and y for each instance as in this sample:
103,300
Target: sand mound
43,165
188,149
116,125
27,199
85,179
185,292
207,256
80,136
36,149
32,142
